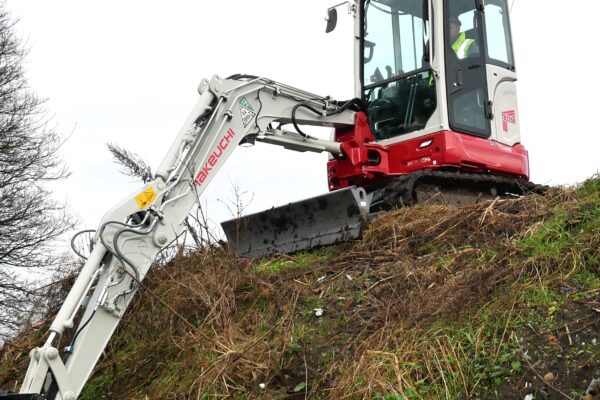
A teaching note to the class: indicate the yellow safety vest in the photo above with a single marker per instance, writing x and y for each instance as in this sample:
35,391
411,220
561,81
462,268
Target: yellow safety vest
461,46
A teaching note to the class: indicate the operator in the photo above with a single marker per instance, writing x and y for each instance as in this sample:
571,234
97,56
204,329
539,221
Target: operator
462,46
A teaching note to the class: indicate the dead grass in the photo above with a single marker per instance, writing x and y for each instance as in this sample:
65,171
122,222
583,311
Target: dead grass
422,307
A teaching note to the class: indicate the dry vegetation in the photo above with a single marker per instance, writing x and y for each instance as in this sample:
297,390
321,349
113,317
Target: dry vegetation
434,302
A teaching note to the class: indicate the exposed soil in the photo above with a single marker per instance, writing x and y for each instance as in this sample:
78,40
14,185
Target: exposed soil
561,354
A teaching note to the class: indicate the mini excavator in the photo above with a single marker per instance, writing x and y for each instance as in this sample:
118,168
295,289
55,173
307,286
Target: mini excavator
434,118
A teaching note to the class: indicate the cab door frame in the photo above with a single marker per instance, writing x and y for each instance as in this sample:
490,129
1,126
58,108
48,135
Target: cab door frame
468,96
501,73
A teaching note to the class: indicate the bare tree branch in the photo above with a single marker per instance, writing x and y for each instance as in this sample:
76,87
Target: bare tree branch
30,220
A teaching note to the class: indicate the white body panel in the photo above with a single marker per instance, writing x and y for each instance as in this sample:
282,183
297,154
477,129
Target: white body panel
502,91
438,64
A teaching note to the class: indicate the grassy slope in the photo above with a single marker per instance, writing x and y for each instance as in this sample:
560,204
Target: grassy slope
435,302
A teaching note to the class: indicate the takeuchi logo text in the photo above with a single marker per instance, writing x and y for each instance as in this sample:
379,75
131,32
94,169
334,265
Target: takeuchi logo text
213,159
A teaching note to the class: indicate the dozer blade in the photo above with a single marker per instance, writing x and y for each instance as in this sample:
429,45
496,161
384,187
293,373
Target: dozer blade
318,221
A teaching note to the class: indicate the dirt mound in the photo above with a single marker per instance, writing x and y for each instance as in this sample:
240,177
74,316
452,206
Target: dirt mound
433,302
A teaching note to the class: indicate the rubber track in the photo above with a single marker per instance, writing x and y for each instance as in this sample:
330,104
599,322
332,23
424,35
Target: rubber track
400,190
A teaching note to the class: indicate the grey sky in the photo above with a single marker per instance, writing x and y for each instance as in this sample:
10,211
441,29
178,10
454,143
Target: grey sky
126,72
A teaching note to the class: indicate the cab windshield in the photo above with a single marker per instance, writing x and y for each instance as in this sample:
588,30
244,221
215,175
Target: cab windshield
397,83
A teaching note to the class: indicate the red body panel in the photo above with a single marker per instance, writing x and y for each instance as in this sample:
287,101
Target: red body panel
366,163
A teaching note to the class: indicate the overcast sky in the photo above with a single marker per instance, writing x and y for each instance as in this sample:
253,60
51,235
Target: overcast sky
126,72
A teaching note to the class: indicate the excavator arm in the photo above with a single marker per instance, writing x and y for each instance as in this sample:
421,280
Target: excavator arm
131,235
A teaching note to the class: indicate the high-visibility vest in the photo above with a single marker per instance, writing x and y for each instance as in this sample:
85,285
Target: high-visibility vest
461,46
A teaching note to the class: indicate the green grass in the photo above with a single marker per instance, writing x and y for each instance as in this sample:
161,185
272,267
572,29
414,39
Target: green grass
584,280
296,261
569,227
96,387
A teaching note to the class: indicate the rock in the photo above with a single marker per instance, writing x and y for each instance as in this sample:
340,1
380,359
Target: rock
594,388
549,377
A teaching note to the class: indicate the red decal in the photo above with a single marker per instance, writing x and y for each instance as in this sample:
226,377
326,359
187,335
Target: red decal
508,117
214,157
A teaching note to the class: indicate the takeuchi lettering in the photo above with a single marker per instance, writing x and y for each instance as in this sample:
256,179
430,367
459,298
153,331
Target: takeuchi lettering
214,157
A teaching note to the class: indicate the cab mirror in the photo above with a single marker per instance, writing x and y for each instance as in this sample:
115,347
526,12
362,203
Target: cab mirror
331,20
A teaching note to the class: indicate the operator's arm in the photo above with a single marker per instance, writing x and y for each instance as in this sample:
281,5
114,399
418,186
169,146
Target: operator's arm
131,235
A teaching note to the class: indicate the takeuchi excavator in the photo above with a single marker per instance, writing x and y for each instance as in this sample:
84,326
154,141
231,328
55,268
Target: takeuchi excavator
434,118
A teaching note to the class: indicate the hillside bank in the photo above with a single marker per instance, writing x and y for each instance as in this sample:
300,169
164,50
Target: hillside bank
493,301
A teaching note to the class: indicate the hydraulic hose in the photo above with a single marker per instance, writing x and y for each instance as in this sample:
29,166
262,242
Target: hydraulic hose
75,236
358,103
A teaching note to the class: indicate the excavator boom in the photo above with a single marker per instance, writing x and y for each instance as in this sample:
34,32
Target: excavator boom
129,237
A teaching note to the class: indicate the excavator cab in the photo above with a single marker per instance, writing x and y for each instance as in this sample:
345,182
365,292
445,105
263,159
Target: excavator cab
438,83
431,65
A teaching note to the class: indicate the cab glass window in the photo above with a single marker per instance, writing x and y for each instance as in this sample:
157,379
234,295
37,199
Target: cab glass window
397,85
402,106
499,48
395,36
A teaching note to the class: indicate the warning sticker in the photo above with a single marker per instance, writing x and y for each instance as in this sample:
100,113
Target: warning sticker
145,198
246,111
